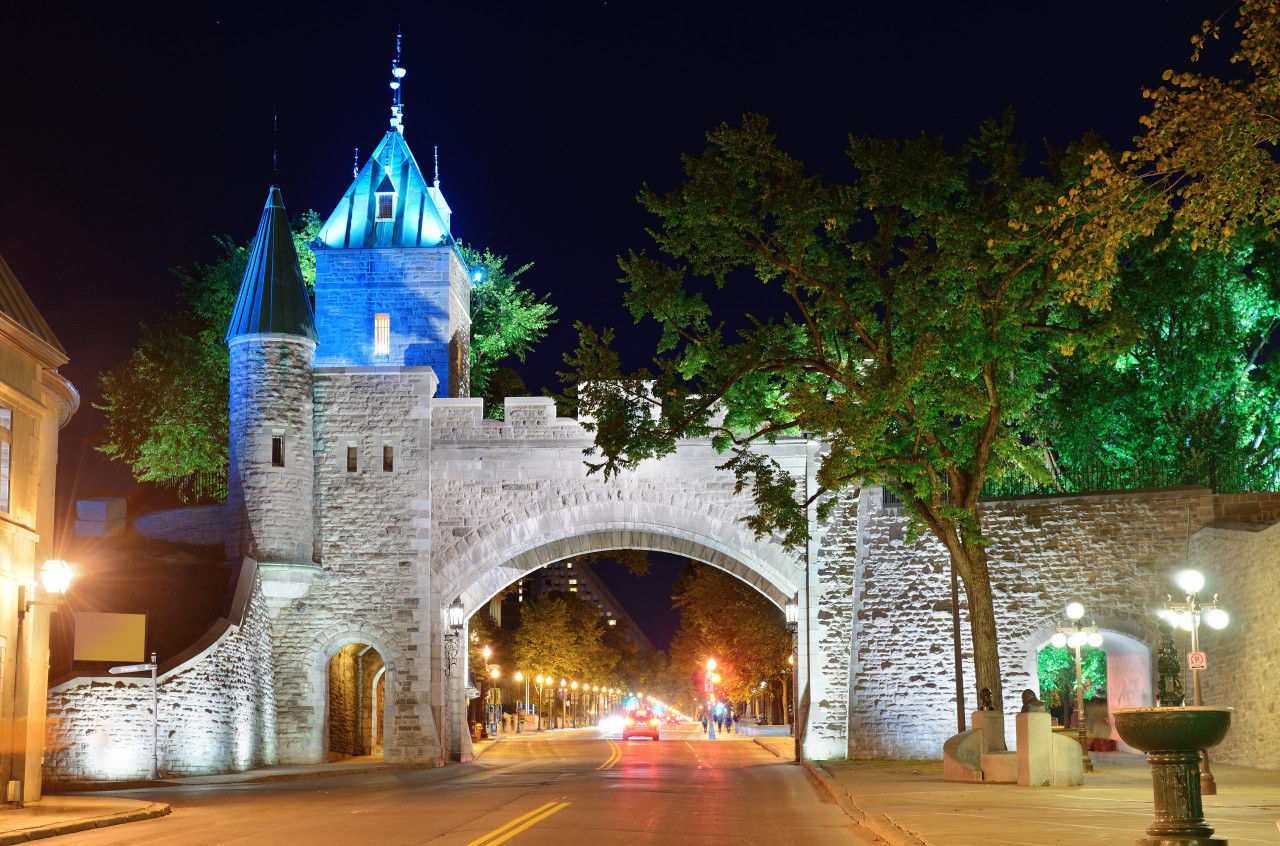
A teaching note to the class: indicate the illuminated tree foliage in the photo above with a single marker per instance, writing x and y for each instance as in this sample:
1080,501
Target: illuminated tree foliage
564,636
166,406
1056,670
507,322
898,316
1206,160
1196,390
725,618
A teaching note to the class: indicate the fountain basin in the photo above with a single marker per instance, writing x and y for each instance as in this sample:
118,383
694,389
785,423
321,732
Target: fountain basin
1161,729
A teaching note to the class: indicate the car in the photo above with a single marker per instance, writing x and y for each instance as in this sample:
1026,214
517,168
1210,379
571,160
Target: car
640,723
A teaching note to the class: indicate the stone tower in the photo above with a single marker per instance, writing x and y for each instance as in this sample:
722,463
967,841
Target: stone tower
272,339
391,288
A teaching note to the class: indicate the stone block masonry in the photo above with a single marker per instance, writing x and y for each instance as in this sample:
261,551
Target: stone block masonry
217,707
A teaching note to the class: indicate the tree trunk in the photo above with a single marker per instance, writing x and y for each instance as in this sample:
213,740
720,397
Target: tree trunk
972,566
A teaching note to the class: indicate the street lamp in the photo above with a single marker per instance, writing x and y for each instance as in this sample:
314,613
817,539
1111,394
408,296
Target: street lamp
574,688
520,714
1076,636
710,686
1188,614
541,704
793,627
496,696
452,638
564,703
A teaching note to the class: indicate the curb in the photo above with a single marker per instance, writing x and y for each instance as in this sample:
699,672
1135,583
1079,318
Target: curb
878,824
56,829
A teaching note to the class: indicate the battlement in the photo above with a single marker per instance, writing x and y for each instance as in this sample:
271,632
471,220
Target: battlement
524,418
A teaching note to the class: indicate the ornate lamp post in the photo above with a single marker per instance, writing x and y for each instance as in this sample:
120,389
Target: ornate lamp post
711,698
521,705
496,695
539,680
574,688
452,640
1076,636
793,626
564,703
1187,615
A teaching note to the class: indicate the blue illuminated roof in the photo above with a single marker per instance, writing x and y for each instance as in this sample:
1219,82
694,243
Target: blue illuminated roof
420,217
273,297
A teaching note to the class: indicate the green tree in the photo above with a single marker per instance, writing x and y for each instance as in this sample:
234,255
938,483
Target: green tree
1196,388
723,617
166,406
507,322
563,636
1056,672
912,325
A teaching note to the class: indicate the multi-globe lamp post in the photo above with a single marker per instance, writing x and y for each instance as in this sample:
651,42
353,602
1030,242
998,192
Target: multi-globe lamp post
496,694
1187,615
1076,636
711,680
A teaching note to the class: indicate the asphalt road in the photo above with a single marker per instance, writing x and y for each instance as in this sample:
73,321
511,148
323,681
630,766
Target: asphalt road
558,790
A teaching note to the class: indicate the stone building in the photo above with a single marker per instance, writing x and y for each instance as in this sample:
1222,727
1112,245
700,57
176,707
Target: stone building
368,495
35,402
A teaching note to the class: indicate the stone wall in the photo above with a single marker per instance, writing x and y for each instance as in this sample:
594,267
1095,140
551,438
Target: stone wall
344,701
201,524
1241,564
1114,552
217,707
374,563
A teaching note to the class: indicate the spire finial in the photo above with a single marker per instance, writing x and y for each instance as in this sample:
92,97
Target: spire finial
275,145
397,73
435,151
355,164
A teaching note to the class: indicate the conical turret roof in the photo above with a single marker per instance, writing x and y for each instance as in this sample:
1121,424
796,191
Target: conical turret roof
273,297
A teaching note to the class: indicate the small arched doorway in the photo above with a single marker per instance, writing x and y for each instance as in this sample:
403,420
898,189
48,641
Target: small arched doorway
1128,683
355,698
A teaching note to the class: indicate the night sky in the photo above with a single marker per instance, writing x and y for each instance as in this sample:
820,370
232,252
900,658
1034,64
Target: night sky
128,140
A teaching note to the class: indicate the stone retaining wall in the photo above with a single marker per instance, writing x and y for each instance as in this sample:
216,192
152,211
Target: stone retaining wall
217,707
201,524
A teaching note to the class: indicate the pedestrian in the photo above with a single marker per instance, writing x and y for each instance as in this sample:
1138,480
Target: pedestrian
735,718
704,722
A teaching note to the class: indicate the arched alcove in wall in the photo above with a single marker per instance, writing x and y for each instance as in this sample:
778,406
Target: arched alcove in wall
1128,679
354,702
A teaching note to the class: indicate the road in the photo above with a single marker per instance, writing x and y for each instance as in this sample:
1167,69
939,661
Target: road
551,790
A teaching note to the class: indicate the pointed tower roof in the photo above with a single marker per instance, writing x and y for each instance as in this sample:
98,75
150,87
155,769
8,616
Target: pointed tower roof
419,215
273,297
22,315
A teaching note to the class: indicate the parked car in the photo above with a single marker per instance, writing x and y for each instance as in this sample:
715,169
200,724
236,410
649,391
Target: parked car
641,723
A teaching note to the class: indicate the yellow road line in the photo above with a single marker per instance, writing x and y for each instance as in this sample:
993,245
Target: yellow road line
529,820
516,821
615,755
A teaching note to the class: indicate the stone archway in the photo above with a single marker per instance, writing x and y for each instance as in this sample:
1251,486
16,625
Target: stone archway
347,680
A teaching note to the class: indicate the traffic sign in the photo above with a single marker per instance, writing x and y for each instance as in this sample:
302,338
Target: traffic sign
132,668
1195,660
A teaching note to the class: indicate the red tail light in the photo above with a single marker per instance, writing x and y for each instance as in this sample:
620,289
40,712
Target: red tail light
630,721
653,722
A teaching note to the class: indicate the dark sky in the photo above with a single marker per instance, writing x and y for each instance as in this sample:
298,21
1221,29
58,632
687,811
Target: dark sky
129,139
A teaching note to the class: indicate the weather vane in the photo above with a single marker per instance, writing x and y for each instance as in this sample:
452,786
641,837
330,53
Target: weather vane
397,73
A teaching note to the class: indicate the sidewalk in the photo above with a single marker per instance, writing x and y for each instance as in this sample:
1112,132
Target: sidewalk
907,803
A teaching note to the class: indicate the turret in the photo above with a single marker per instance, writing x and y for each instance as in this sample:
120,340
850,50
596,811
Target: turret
272,340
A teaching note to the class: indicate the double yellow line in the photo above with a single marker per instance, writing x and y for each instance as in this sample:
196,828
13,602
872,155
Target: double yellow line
519,824
615,755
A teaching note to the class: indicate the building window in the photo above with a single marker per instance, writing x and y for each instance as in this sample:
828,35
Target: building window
384,206
382,334
573,581
277,451
351,459
387,458
6,440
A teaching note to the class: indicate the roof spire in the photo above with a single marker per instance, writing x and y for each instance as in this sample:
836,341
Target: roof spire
397,73
275,145
355,164
435,151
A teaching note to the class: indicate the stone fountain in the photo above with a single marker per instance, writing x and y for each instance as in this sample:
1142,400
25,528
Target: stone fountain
1173,736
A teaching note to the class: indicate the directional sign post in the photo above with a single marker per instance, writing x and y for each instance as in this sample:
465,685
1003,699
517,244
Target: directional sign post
155,709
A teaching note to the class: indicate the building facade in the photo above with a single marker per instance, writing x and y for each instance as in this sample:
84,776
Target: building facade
35,402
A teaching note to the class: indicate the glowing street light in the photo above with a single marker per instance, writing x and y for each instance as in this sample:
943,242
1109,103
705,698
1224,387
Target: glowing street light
1187,615
1076,636
498,699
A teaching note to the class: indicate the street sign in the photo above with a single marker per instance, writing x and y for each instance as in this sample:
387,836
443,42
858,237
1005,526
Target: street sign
1196,661
711,685
132,668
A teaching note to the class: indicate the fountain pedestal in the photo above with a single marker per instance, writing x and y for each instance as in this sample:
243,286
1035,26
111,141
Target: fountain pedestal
1173,739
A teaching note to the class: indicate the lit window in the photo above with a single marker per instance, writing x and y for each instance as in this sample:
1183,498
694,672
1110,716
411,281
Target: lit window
569,565
382,334
351,459
613,622
387,462
573,590
6,418
4,475
277,451
384,206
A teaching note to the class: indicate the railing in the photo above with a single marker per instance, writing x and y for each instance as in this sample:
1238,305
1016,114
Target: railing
1220,477
198,488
